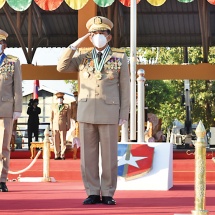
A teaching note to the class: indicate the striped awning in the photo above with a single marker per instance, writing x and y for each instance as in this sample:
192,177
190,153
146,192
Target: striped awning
50,5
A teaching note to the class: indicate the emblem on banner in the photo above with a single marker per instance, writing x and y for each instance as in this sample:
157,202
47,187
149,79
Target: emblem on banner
134,160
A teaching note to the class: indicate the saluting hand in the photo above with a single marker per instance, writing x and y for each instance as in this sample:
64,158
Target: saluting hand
78,42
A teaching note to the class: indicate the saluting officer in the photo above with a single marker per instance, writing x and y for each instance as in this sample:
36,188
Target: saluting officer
60,124
103,104
10,105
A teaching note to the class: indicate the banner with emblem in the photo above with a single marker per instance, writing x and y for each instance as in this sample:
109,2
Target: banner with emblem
134,160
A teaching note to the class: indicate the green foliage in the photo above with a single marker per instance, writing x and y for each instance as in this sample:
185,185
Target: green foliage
73,84
163,98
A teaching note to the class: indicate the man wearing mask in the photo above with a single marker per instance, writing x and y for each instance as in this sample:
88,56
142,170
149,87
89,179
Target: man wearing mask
103,105
33,120
60,124
10,105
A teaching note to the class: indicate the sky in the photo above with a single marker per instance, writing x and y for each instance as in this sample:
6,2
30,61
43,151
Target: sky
40,58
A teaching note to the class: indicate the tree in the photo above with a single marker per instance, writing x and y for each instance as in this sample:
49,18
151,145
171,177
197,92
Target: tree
73,84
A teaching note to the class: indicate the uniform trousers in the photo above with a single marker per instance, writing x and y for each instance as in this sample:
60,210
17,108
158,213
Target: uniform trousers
32,128
59,143
96,140
6,125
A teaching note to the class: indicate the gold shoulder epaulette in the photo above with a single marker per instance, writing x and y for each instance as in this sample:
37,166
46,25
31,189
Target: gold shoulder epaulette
85,49
121,50
12,58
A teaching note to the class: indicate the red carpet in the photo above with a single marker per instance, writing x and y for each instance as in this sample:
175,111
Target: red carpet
66,198
66,195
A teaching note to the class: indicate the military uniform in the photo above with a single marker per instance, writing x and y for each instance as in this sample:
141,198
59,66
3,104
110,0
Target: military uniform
60,124
103,100
74,107
10,102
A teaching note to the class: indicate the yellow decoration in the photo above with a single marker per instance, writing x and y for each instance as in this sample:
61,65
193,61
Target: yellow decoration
156,2
2,2
76,5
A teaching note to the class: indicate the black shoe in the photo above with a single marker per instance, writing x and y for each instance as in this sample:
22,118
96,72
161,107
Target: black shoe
108,200
58,158
63,158
3,187
92,199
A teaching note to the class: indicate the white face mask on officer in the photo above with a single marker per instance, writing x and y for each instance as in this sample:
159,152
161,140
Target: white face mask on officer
99,40
60,100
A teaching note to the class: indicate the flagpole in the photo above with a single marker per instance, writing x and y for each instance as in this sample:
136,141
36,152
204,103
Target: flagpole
133,57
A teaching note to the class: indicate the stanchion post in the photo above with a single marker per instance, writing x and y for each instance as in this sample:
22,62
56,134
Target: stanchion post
200,171
141,105
46,156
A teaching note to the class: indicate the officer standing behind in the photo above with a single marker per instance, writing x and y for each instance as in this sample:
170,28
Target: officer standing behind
74,106
33,120
60,124
75,139
10,105
103,104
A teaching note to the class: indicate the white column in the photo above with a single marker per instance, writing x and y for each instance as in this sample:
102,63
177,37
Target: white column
133,59
141,105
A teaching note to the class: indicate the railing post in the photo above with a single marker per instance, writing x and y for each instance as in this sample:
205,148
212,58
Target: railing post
200,171
46,156
141,105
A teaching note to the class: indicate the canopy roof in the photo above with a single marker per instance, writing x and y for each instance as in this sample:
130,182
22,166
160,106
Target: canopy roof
172,24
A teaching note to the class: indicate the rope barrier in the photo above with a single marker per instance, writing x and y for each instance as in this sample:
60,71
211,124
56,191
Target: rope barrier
29,166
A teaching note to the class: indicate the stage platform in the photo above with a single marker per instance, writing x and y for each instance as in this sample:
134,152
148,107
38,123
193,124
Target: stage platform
65,196
69,170
177,154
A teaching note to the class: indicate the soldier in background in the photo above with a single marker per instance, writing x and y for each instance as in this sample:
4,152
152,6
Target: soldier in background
60,124
74,106
73,135
10,105
33,120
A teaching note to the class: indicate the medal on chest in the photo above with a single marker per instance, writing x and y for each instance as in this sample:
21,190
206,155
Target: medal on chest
99,65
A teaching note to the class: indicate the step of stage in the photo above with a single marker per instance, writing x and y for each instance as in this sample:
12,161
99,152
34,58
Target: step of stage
184,170
61,170
69,169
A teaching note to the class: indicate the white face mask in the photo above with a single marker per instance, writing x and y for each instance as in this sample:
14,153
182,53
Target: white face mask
99,40
60,100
